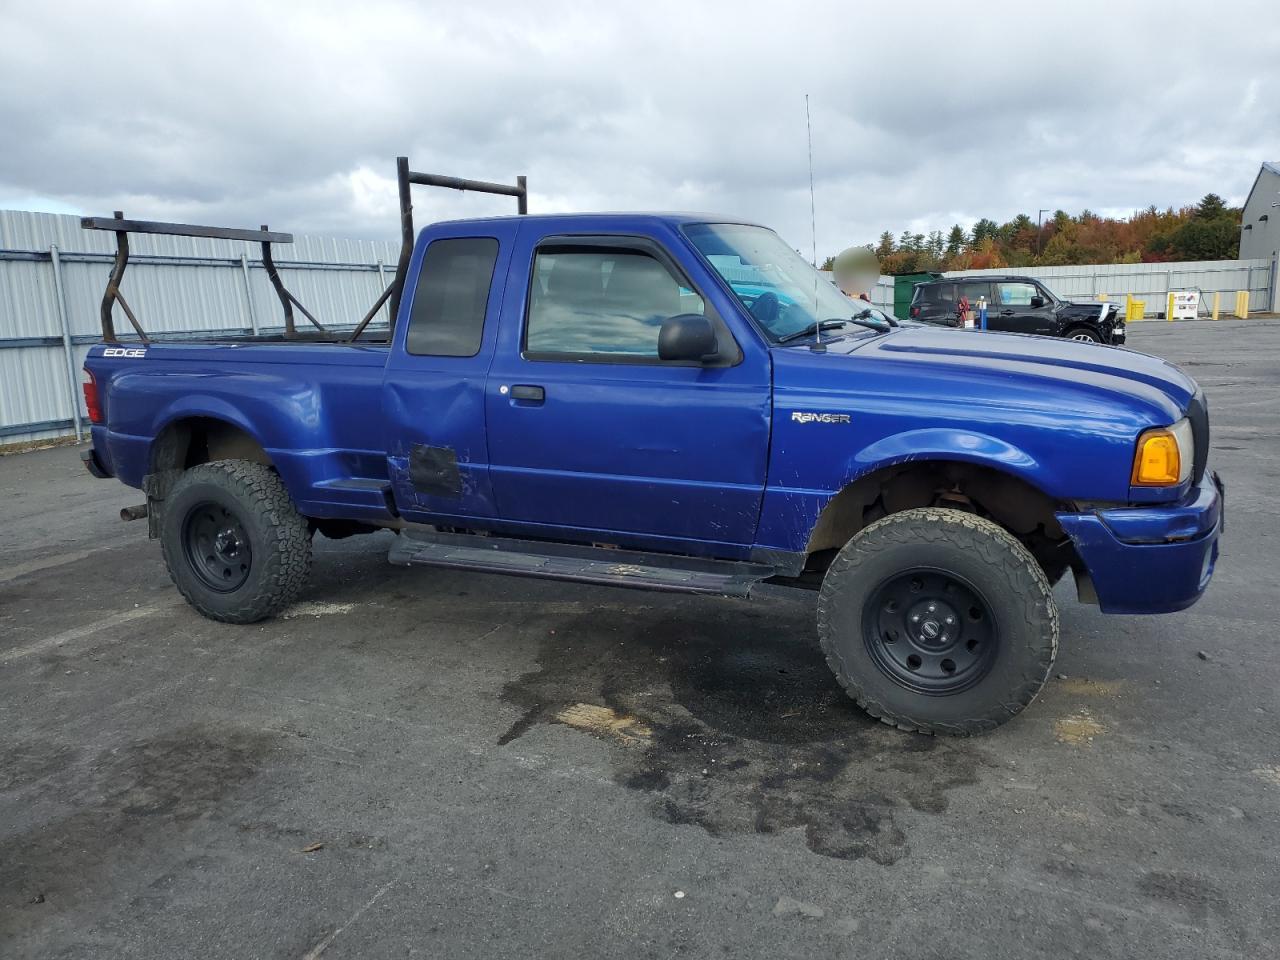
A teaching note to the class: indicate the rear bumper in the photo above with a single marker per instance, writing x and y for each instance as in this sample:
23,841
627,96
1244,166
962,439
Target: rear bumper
93,464
1155,559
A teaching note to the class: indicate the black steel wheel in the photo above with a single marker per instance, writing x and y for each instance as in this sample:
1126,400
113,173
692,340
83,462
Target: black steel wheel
938,621
234,544
931,631
217,546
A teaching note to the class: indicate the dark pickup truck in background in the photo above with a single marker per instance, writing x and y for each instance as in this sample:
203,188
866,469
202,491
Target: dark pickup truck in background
1018,305
679,403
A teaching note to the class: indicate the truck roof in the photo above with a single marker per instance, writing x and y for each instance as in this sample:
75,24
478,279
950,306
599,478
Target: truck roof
607,217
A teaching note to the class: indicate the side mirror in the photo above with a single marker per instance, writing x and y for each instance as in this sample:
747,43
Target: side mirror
687,336
1037,302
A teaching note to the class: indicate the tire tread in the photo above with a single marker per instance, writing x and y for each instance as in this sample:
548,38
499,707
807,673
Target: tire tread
1003,553
287,555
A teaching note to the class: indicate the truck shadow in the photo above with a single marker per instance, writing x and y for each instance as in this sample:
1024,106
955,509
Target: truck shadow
726,715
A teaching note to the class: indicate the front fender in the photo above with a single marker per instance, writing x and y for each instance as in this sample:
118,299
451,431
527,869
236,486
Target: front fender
789,514
942,444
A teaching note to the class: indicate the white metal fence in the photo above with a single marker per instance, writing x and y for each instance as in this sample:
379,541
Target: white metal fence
1152,282
53,274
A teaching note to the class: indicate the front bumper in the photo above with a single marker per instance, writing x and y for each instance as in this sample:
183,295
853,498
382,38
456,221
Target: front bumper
1155,559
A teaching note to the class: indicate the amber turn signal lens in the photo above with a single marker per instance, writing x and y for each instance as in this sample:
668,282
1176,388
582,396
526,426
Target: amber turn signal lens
1158,462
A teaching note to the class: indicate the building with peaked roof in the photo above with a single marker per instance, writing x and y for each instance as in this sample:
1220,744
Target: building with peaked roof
1260,223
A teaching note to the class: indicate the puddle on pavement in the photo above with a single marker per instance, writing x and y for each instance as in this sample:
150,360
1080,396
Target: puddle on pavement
727,717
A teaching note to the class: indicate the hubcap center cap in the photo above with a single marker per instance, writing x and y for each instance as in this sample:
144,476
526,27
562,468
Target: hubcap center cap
933,623
227,543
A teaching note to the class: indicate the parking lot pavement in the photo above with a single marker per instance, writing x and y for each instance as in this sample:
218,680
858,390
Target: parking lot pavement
440,764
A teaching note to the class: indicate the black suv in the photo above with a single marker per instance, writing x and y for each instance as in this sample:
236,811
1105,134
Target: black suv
1017,305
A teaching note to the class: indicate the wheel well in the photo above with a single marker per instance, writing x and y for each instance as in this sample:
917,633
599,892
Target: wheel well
1014,504
186,443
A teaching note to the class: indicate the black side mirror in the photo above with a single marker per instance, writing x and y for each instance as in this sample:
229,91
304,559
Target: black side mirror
1037,302
687,336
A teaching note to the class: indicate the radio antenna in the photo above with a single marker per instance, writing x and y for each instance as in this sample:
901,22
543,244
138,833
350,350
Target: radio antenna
818,346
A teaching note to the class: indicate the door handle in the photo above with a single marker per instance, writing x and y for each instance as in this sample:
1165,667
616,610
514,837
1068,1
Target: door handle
1006,313
528,391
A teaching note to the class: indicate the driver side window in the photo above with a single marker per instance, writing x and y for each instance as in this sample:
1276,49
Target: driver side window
601,302
1017,294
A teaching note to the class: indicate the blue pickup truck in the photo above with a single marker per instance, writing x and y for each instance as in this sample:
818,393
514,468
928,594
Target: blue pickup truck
679,403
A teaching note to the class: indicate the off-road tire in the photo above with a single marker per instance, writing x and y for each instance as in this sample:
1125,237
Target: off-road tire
960,544
277,534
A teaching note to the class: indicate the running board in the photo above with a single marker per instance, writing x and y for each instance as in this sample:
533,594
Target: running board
580,563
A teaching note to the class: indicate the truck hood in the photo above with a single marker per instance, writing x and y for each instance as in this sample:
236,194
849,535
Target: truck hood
1062,415
1012,357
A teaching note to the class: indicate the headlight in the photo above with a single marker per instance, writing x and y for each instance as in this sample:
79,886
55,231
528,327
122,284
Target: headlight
1164,456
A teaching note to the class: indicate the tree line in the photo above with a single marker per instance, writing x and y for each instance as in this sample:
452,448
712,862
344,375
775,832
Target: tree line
1209,230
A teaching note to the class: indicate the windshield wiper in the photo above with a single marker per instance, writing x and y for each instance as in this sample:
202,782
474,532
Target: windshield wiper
863,320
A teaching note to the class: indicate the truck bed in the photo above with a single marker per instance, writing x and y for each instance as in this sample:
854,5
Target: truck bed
315,408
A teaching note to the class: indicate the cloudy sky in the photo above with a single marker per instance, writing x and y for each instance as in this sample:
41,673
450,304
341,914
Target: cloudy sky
923,115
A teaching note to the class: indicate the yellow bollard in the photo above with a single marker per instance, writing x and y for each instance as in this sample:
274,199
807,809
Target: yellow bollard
1168,308
1217,297
1242,304
1102,297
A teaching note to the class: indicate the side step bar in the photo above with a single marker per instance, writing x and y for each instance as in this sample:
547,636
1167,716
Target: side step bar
584,564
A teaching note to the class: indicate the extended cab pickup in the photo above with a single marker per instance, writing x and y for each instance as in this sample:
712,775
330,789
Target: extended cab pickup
681,403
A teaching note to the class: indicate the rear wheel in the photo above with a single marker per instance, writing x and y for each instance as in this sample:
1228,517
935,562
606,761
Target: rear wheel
938,621
236,548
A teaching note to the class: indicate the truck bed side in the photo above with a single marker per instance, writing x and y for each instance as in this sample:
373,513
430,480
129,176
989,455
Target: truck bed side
313,410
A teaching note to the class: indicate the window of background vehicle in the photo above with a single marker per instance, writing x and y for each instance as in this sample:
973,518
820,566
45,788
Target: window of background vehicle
449,303
937,293
602,301
973,290
1017,294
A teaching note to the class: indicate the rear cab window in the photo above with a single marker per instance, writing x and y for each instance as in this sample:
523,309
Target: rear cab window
451,297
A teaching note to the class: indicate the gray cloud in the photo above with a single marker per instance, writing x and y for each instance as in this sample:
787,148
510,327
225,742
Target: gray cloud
243,113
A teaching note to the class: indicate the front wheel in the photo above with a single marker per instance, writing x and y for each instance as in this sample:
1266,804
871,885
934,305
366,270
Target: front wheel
938,621
1083,335
236,548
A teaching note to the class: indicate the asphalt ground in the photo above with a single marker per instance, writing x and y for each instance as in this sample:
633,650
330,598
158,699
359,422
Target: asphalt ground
438,764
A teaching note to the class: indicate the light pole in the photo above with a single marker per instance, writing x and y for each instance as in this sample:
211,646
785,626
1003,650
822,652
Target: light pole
1039,234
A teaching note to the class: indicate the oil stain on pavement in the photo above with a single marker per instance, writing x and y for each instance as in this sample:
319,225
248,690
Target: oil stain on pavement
745,729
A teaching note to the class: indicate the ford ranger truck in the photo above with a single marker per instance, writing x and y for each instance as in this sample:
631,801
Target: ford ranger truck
682,403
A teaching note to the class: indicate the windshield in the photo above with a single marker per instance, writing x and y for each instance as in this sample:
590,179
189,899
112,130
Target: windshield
779,288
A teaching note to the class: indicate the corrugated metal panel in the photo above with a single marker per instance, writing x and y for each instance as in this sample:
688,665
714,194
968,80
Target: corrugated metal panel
336,278
1150,281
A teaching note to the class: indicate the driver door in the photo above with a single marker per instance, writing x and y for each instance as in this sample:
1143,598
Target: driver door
591,433
1022,308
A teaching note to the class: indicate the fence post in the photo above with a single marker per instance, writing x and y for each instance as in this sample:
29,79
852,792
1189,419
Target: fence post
248,294
60,296
382,285
1275,275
